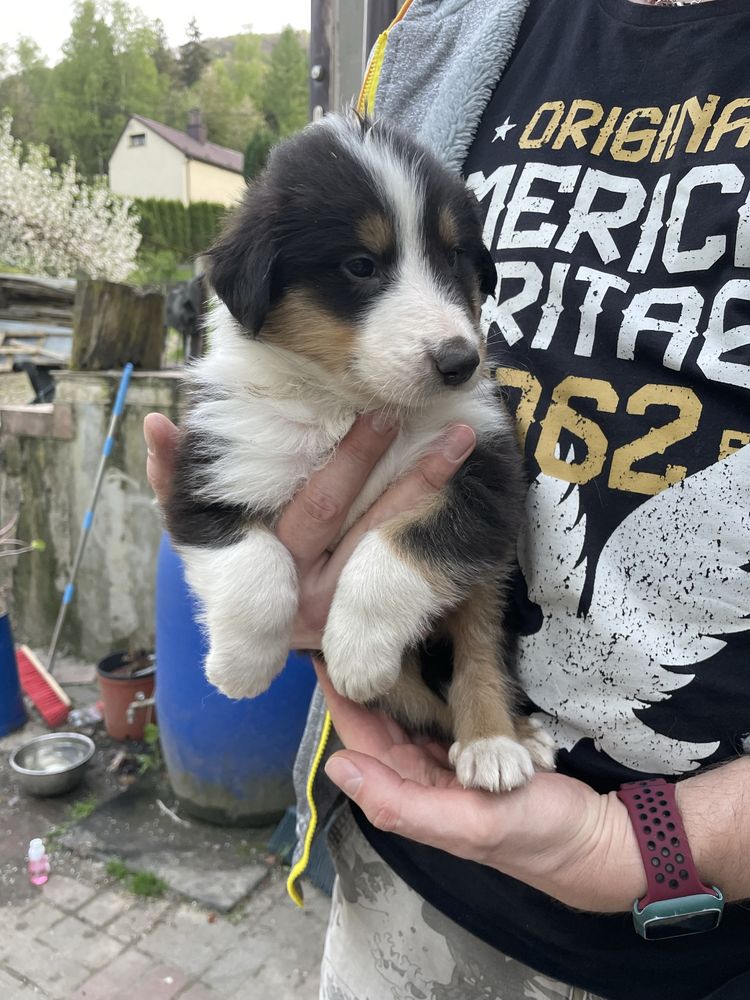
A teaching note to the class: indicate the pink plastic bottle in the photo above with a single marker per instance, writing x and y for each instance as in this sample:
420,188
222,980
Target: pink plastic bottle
38,866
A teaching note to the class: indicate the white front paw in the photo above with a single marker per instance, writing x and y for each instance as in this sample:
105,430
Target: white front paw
244,673
495,763
380,608
362,665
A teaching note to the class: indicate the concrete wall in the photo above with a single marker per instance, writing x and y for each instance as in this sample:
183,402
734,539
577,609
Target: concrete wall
206,182
48,462
155,170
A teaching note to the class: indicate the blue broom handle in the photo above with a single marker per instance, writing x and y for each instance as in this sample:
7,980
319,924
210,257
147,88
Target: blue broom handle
88,517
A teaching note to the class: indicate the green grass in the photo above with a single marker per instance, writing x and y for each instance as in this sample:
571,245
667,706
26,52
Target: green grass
117,869
82,809
75,812
151,760
146,884
139,883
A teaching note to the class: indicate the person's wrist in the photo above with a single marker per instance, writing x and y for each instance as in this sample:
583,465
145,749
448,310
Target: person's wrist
581,851
605,871
592,863
712,805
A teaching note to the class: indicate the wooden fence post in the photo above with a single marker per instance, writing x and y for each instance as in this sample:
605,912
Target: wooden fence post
113,324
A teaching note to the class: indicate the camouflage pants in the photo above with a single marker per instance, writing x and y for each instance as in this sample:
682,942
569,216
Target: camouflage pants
385,942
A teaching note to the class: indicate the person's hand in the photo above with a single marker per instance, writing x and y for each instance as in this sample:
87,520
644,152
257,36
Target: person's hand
312,522
555,833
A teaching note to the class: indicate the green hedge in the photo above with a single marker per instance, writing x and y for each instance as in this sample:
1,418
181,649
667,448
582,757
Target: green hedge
184,230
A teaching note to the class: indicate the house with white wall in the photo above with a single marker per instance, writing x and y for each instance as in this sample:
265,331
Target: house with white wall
152,160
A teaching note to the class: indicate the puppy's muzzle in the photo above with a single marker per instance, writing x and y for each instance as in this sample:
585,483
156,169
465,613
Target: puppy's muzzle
455,362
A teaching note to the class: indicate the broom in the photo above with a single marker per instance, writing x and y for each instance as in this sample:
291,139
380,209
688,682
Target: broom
48,697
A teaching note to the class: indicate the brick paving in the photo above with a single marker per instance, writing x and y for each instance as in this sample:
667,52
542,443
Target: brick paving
85,939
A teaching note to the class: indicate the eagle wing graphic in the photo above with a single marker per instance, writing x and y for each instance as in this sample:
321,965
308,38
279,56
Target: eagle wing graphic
671,583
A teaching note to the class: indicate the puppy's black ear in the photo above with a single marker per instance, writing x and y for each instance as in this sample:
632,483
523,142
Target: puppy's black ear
487,271
241,262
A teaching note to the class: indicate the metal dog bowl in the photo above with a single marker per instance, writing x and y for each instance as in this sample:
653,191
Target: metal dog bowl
52,764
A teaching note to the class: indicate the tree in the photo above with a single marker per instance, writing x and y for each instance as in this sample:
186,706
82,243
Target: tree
256,151
53,223
164,59
285,95
88,89
194,55
116,62
229,114
25,90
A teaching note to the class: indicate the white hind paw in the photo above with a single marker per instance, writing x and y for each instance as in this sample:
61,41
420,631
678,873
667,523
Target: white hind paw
496,763
539,743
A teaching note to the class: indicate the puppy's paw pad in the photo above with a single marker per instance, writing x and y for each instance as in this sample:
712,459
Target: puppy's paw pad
539,743
496,763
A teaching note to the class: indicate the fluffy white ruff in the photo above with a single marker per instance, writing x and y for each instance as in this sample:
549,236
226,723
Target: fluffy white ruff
496,763
283,417
380,607
249,596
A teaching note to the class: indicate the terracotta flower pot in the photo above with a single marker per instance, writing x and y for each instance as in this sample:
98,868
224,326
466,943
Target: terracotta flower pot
124,680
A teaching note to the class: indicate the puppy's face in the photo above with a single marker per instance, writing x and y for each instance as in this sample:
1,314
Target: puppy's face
356,249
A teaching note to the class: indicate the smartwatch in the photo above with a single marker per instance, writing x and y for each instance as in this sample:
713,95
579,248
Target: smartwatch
676,903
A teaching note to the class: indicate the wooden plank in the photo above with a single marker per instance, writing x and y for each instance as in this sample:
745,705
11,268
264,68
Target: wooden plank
38,312
38,286
41,350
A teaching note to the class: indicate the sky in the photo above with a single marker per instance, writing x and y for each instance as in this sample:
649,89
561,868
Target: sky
47,21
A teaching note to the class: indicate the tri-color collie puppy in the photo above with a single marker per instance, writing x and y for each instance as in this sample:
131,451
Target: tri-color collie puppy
351,280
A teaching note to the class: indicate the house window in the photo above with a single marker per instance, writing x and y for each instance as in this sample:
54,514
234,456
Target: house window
139,139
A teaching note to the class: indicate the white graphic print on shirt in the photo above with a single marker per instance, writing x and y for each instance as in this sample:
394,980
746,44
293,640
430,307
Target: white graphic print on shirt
622,315
669,584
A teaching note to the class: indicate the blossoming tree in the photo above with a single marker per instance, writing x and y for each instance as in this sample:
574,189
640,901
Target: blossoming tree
53,223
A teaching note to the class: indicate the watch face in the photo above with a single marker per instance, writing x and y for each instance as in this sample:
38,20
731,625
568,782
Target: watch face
684,923
679,917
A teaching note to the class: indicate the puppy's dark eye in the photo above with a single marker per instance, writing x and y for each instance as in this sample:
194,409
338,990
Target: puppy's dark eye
360,267
453,255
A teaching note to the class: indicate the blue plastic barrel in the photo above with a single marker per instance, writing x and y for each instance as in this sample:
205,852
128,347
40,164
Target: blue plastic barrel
12,712
228,761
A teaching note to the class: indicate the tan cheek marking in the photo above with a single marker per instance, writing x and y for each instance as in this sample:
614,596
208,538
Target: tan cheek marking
376,232
447,227
298,323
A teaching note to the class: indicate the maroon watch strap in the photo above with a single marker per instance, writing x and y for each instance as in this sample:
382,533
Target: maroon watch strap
670,869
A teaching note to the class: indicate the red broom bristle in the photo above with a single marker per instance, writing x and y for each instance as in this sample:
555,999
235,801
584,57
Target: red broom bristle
48,697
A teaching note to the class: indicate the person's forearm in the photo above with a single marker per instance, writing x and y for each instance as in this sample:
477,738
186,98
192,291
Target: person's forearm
715,807
605,872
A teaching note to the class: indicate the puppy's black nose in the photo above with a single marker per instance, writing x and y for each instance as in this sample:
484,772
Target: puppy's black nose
456,363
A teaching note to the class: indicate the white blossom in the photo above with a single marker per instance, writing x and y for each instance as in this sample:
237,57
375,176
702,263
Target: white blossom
54,223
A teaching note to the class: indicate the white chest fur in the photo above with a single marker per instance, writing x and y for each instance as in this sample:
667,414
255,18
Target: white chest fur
280,417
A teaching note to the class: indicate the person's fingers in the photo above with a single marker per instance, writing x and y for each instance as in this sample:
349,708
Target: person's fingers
425,480
161,440
452,819
313,519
